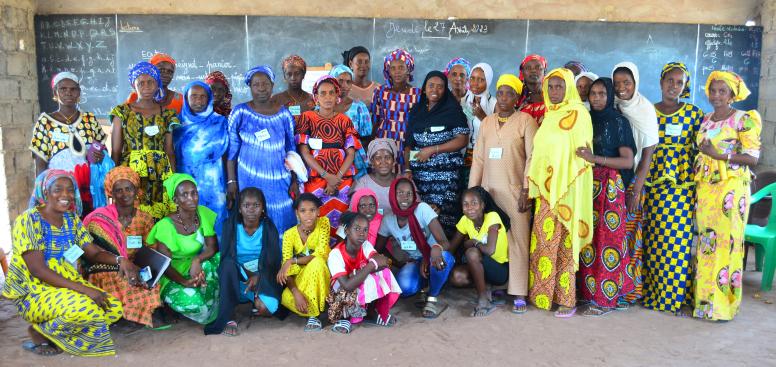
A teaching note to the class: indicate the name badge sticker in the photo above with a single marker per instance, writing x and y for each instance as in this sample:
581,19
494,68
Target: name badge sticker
295,110
436,129
60,137
408,245
252,266
262,135
73,253
673,129
315,143
151,130
134,241
495,153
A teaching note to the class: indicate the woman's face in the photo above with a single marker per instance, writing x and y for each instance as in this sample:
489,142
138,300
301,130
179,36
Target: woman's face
597,97
405,195
672,84
457,77
382,162
720,94
435,89
124,193
146,87
261,88
219,92
61,195
251,209
477,82
186,196
358,231
533,72
327,96
345,83
294,74
307,212
360,65
583,87
472,206
67,92
398,72
197,99
556,89
624,85
166,72
506,98
367,206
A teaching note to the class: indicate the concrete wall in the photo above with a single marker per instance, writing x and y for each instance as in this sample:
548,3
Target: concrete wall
767,102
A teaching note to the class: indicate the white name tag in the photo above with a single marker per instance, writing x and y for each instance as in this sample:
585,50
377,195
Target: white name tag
414,155
436,129
200,237
315,143
262,135
408,245
151,130
295,110
379,210
60,137
134,241
673,129
711,134
252,266
495,153
484,239
73,253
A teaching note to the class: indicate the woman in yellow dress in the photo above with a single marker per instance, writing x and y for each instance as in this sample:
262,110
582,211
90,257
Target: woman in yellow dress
304,272
729,144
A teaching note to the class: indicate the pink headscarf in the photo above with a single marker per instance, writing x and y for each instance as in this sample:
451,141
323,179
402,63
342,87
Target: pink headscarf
374,225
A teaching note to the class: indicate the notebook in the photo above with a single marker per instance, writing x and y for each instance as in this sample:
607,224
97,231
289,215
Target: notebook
151,258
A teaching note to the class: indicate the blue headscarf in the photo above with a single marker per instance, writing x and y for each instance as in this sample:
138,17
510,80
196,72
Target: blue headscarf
43,184
187,115
147,68
264,69
339,69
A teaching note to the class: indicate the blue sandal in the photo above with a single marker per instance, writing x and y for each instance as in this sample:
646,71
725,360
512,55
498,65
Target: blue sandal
313,324
519,306
342,327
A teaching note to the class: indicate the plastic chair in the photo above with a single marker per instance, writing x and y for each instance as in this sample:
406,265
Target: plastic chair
764,239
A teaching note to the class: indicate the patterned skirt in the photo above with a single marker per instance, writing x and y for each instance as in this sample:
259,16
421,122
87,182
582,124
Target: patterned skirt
352,305
333,206
139,303
634,239
198,304
551,261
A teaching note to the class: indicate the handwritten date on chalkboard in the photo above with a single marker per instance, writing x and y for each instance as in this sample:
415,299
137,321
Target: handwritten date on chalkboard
439,29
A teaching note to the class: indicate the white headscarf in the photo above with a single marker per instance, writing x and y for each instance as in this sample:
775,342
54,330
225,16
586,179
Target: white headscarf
640,112
62,76
487,102
589,75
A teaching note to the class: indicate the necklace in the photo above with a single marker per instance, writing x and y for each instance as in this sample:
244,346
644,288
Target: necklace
126,221
68,120
186,229
306,232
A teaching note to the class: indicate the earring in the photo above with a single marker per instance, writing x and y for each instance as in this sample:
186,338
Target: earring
55,99
79,100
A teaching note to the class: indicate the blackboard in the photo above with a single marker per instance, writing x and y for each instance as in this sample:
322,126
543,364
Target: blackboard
102,48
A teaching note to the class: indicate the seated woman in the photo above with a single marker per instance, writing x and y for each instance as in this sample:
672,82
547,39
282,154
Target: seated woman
483,232
64,311
121,229
422,244
381,155
365,201
187,236
360,277
304,272
250,260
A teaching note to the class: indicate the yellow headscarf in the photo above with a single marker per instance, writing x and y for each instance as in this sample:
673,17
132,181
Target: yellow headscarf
512,81
733,81
556,174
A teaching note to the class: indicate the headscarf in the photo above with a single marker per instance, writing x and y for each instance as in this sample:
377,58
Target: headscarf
585,74
379,144
556,174
107,218
678,65
225,107
582,68
398,54
187,115
62,76
328,79
447,112
611,129
294,60
349,55
485,95
264,69
147,68
458,61
172,183
121,173
512,81
161,57
339,69
43,184
528,58
416,231
640,112
733,80
374,224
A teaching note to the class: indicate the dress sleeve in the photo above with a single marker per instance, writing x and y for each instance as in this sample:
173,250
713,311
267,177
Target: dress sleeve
749,133
462,226
351,134
385,230
120,111
40,144
163,232
233,126
478,156
26,237
303,128
289,122
207,221
171,119
364,123
336,265
368,250
528,139
82,236
322,247
374,107
491,219
425,214
99,133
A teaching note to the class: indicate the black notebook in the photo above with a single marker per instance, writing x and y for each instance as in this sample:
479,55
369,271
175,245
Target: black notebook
151,258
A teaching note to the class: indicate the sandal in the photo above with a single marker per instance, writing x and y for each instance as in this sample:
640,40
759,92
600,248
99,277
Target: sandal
433,309
420,299
565,312
43,349
622,305
389,321
313,324
231,329
482,311
342,327
596,311
519,306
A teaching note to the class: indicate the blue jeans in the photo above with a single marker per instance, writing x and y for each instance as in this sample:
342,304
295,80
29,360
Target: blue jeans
410,280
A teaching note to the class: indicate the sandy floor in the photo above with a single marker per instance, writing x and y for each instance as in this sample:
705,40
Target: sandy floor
637,337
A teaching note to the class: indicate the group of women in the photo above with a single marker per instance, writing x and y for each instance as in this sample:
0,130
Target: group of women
562,187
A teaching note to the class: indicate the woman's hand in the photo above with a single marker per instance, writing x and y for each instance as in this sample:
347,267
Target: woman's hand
196,268
586,154
632,200
523,202
299,300
425,154
97,156
129,271
332,184
708,149
477,109
232,191
436,258
99,297
253,281
382,261
282,277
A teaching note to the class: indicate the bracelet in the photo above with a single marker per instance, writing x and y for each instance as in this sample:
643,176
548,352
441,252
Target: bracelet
373,261
437,149
296,260
118,260
231,182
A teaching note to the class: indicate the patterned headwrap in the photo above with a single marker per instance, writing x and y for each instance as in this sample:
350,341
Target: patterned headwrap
294,60
161,57
397,54
225,106
678,65
458,61
147,68
121,173
380,144
512,81
43,184
264,69
733,81
339,69
172,183
328,79
528,58
62,76
582,68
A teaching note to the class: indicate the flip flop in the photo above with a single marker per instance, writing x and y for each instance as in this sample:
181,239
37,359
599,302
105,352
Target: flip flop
595,311
566,314
487,310
517,305
30,346
231,325
377,321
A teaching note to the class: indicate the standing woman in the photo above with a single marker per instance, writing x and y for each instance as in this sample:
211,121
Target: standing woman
391,103
603,271
562,183
222,95
670,196
261,135
532,71
170,98
200,145
641,114
65,312
729,142
502,156
437,132
584,80
327,141
359,60
358,113
457,72
294,98
477,104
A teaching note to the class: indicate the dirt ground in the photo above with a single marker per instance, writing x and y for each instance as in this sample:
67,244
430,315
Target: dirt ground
637,337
